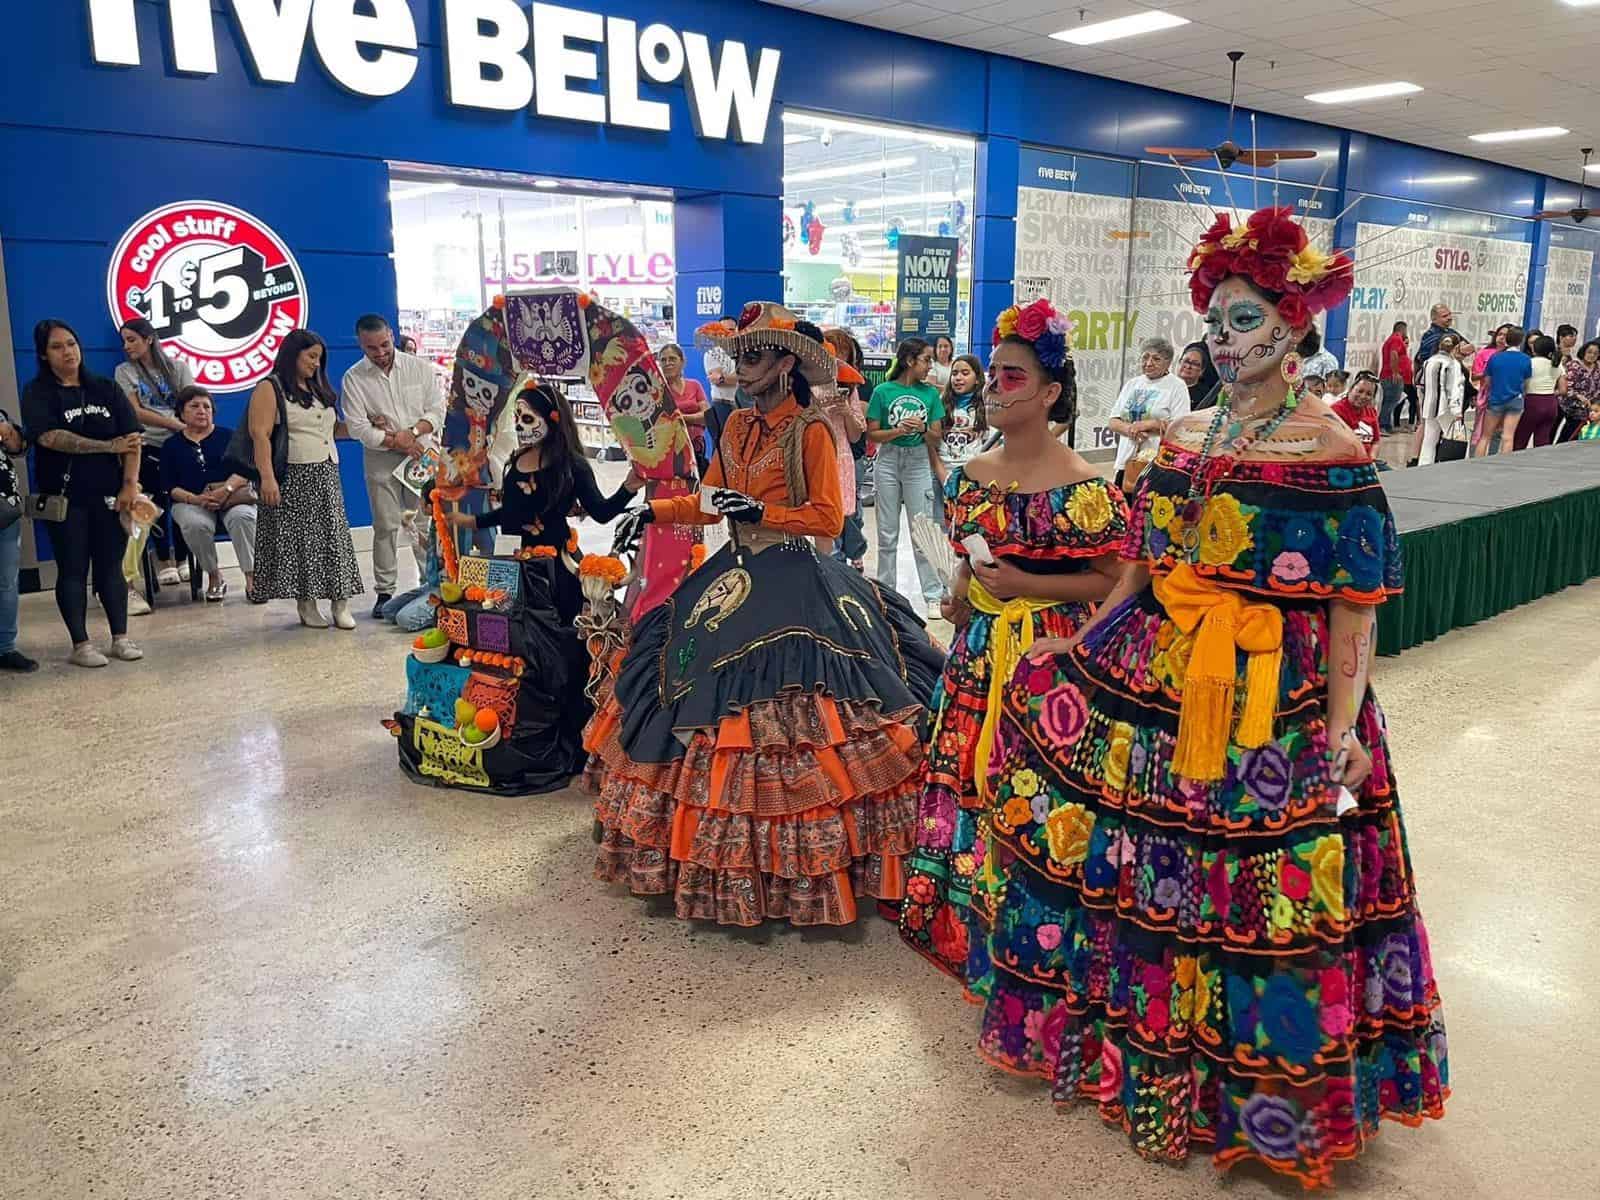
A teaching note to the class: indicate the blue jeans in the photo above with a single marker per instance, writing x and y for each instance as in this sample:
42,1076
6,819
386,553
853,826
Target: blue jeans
1393,393
411,610
10,563
905,483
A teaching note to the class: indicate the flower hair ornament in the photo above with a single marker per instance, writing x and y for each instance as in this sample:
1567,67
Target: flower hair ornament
1272,251
1041,326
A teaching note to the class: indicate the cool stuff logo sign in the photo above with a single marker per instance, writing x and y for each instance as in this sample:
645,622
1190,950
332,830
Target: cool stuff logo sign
220,287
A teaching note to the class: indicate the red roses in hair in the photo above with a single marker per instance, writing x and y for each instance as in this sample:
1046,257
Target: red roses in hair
1272,251
1033,320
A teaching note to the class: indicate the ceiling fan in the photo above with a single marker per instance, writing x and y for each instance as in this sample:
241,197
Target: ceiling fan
1576,215
1229,152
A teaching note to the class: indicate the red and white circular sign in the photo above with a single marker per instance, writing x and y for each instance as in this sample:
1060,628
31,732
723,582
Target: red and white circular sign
220,287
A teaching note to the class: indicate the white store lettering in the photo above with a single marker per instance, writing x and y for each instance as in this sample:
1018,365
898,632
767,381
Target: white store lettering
499,56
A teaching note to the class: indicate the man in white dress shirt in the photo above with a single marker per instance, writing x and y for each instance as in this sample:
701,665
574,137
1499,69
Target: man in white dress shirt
391,403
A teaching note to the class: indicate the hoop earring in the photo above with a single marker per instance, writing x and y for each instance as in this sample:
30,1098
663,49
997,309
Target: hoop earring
1291,367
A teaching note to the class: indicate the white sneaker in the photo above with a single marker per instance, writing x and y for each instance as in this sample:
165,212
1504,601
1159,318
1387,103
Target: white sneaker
183,571
310,616
138,606
126,650
342,617
169,577
87,656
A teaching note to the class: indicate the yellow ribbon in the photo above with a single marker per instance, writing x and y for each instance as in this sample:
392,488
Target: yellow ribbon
1008,642
1222,622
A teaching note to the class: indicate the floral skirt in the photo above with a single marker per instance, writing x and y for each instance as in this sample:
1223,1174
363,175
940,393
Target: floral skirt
759,754
1226,965
949,896
303,547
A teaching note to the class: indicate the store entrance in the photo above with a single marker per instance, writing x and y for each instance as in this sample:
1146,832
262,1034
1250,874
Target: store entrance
460,239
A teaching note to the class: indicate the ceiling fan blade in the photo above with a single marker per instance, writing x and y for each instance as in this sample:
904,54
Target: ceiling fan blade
1551,215
1183,153
1266,158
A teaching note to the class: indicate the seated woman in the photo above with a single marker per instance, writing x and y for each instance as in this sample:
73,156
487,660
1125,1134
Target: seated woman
1050,528
1208,921
548,476
760,754
206,495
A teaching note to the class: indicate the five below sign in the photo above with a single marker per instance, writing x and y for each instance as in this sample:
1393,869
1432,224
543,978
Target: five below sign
371,50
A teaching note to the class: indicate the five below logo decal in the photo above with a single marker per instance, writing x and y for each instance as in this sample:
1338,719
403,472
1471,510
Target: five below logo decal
220,287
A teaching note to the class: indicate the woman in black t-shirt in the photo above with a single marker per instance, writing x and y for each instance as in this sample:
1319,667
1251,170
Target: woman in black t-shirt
88,452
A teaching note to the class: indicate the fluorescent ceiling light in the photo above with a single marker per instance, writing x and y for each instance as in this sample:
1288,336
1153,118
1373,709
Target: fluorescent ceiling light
1595,167
1441,179
884,131
1580,3
866,168
546,183
1520,135
423,189
1371,91
1109,31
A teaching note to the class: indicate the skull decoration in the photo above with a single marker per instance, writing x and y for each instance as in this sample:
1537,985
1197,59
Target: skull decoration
480,393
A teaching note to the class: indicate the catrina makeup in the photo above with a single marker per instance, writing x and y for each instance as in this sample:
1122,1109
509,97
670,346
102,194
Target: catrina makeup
1247,336
532,428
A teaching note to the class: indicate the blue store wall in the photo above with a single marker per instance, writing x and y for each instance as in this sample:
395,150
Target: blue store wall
91,148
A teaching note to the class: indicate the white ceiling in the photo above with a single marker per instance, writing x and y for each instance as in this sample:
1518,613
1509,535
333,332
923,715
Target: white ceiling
1505,64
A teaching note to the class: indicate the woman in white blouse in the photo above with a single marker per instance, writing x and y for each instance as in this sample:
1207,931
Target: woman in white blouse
303,547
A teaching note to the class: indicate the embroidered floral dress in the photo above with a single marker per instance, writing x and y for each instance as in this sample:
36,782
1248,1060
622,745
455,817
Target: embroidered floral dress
1225,964
1053,532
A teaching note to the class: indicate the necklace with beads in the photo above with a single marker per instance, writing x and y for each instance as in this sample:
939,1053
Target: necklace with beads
1219,455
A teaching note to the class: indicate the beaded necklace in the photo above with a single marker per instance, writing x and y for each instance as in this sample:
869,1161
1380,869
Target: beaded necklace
1213,468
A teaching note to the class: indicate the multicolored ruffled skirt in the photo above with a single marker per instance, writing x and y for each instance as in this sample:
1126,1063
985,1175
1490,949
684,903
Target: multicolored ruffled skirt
760,753
948,908
1226,966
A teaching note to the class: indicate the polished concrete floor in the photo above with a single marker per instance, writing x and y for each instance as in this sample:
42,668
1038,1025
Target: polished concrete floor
241,956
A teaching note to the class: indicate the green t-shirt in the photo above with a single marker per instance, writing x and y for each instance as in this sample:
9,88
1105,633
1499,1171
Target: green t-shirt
893,402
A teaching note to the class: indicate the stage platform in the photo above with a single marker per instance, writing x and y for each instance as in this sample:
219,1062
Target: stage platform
1484,535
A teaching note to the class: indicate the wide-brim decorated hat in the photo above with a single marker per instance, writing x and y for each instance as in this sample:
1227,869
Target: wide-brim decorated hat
766,323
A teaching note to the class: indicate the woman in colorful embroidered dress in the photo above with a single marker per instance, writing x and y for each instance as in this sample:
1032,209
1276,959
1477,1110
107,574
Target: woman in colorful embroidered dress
760,754
1052,527
1208,922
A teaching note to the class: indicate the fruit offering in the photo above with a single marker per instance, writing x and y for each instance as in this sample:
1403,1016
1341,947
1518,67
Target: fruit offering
466,711
433,638
473,736
487,720
450,592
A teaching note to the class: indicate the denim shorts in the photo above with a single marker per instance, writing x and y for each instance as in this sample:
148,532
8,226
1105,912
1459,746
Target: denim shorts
1514,404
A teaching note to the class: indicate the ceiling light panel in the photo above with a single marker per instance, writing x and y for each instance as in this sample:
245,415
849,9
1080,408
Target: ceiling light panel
1122,27
1371,91
1521,135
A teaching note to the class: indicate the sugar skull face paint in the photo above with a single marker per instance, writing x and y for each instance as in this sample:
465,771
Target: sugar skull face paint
1013,384
532,428
1247,335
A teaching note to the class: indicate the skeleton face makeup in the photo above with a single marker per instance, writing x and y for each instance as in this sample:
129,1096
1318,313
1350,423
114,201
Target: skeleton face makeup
1015,388
478,392
532,428
1247,336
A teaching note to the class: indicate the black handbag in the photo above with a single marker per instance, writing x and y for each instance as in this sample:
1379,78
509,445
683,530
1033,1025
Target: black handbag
1452,449
240,456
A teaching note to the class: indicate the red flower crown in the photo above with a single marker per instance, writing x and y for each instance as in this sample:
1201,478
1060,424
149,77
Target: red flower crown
1272,251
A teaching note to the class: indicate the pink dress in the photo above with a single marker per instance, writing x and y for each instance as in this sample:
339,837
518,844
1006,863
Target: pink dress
841,446
1480,363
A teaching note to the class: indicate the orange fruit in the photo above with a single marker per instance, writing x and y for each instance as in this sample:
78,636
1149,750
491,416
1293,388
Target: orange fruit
487,720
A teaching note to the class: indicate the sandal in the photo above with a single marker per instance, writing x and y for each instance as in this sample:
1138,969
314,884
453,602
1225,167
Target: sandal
217,591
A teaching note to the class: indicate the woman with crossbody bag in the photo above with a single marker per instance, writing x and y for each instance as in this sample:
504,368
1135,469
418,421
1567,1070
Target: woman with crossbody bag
88,462
303,547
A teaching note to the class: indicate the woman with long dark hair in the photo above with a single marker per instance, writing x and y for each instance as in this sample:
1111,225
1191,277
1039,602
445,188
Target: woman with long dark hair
944,357
303,547
151,380
548,475
1542,401
905,417
1050,528
88,465
1199,376
965,424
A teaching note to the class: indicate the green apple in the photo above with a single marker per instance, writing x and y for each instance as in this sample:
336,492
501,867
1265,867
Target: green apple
434,638
450,592
472,735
